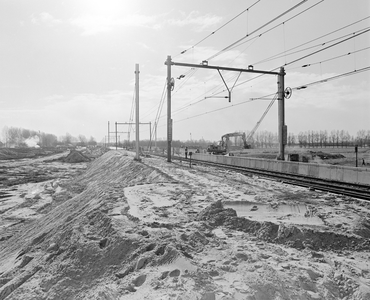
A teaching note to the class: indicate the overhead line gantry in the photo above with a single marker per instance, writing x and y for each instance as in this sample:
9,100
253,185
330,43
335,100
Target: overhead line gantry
282,128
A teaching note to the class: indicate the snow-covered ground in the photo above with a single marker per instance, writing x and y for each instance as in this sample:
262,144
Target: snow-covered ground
123,229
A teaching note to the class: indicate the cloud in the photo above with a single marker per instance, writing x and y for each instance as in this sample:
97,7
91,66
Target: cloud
94,24
232,58
46,18
145,46
195,18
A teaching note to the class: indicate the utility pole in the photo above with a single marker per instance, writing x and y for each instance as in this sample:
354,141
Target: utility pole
137,109
282,128
169,120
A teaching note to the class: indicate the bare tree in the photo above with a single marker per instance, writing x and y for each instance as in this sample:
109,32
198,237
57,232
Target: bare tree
67,139
302,139
48,140
92,142
6,135
82,139
361,137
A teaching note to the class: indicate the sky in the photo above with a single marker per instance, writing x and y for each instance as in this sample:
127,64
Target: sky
69,66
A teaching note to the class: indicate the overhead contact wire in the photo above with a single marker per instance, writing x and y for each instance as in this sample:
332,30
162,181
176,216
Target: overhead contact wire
303,86
272,28
342,41
333,58
213,32
320,37
259,28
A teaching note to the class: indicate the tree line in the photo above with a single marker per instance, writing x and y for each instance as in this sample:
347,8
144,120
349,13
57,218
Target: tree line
312,139
20,137
305,139
334,138
267,139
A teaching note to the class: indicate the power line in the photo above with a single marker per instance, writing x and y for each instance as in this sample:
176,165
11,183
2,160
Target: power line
216,93
212,111
203,97
262,117
187,76
352,36
310,54
358,71
304,49
243,82
247,47
212,33
132,113
272,28
354,72
272,101
159,111
259,28
315,39
304,86
275,97
333,58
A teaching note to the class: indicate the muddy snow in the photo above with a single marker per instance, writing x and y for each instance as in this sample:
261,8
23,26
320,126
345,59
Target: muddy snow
116,228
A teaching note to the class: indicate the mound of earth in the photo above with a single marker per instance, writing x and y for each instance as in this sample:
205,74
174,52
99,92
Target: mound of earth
293,235
127,229
20,153
75,156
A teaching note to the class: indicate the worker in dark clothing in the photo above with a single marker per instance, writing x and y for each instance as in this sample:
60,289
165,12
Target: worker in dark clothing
186,152
363,162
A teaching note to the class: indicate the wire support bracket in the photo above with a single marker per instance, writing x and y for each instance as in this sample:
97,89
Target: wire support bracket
225,85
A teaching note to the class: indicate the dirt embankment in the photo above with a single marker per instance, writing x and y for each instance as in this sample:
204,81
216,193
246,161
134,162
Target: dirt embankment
19,153
151,230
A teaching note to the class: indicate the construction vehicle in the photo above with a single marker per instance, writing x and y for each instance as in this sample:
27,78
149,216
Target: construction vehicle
216,149
224,145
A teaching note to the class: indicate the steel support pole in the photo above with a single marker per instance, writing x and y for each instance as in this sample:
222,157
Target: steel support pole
169,122
150,135
116,135
108,134
137,109
281,114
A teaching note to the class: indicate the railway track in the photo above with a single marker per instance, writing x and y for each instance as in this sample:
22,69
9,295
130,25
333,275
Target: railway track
341,188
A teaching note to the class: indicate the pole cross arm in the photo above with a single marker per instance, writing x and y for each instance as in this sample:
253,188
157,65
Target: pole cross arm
130,123
206,66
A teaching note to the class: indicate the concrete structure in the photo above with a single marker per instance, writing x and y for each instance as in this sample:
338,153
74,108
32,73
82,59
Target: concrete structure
322,171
